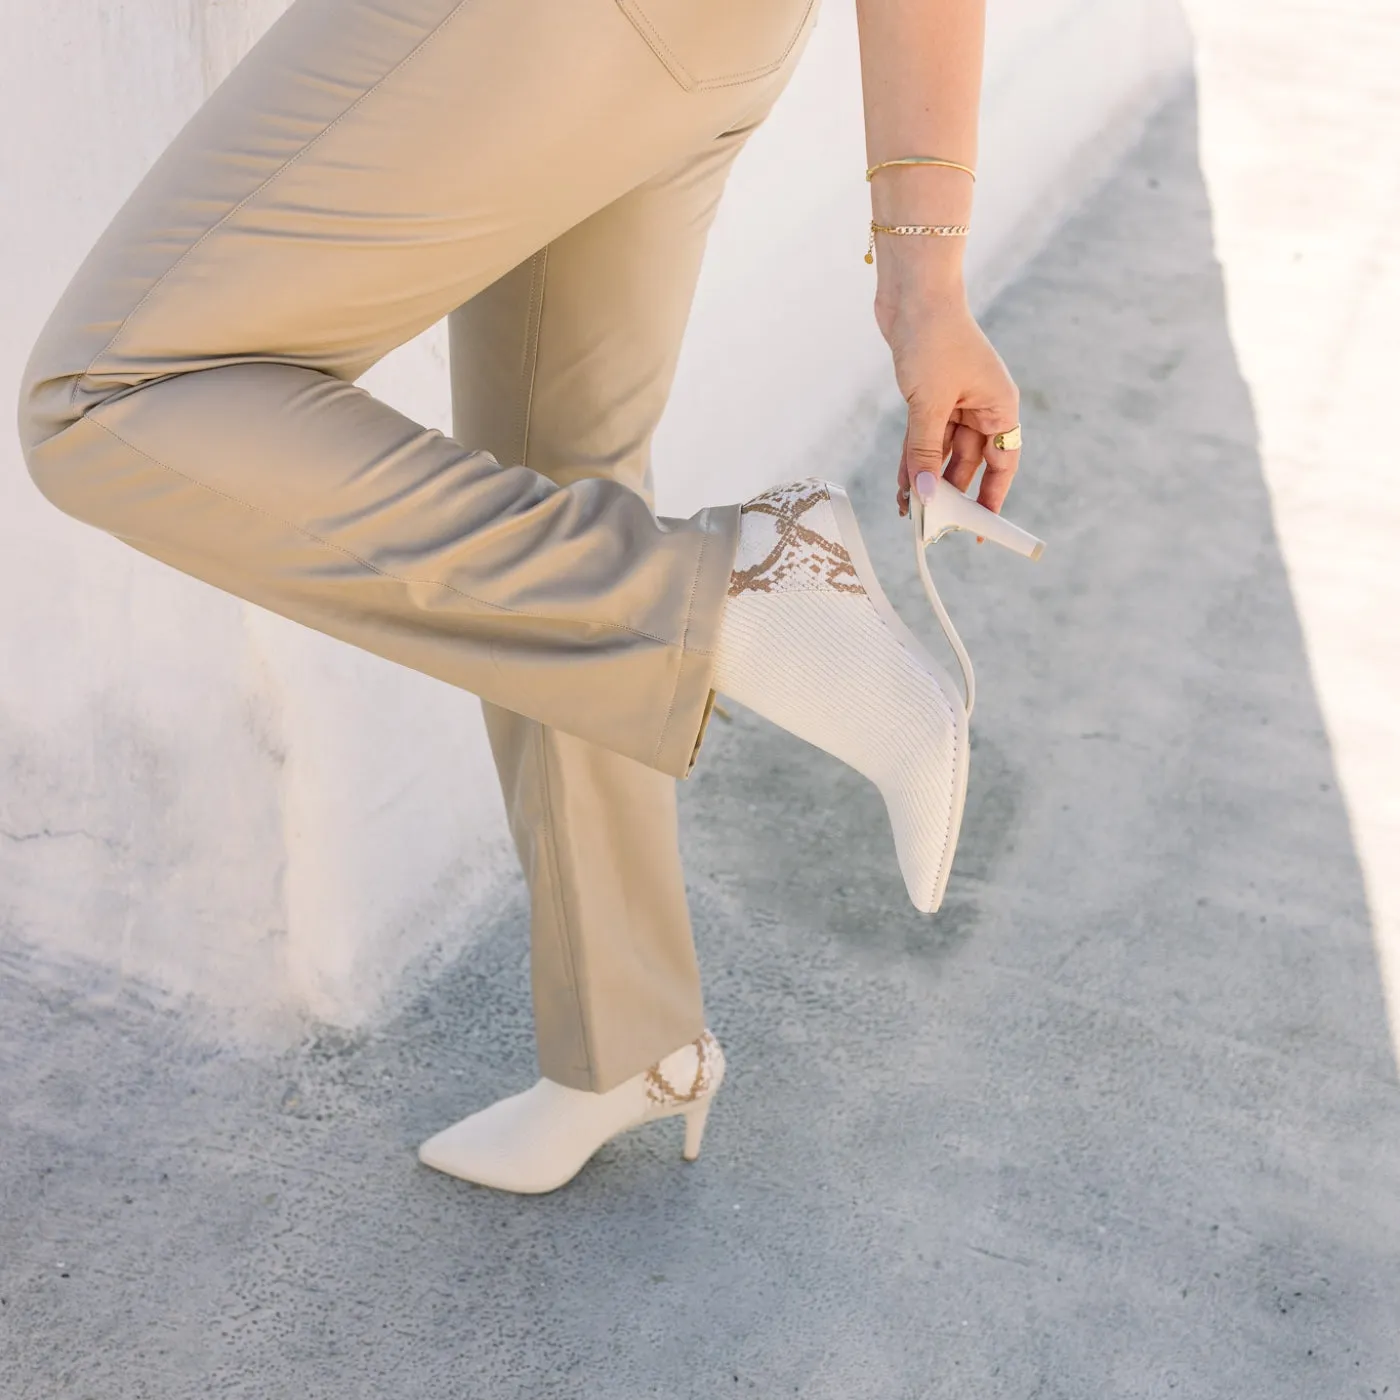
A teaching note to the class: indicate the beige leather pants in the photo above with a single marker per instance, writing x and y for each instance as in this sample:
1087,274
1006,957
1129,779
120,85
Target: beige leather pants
546,172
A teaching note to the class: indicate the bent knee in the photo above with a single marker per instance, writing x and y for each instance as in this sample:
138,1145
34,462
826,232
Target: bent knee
43,428
50,408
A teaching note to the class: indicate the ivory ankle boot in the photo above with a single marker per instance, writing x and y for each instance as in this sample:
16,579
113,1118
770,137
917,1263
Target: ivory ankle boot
809,640
539,1140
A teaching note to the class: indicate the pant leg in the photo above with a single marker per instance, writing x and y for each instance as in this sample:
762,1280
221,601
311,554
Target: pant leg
565,365
369,166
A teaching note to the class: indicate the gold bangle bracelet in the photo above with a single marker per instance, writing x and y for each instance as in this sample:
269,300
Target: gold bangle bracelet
927,230
922,160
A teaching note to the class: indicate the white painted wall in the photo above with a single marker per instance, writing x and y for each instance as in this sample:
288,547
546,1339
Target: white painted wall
203,798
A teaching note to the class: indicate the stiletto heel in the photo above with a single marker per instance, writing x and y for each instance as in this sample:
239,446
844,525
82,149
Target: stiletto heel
942,507
938,507
695,1128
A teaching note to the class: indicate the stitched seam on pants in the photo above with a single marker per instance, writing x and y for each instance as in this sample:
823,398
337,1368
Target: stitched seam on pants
253,194
689,611
534,316
761,72
668,56
350,553
556,886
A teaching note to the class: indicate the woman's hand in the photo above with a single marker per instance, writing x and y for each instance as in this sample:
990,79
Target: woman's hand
958,390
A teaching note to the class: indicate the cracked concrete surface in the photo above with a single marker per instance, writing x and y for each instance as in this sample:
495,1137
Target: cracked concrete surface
1122,1120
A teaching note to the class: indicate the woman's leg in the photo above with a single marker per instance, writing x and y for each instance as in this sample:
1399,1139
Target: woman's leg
565,365
369,166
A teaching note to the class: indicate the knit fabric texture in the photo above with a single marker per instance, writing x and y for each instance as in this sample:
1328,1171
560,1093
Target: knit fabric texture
803,644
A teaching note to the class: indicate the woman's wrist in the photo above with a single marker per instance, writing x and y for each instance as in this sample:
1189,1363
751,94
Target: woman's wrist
920,269
914,293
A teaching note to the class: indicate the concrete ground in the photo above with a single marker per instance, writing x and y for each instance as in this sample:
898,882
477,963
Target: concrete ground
1122,1120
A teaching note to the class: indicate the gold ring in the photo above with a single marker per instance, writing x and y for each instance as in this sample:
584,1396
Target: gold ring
1009,441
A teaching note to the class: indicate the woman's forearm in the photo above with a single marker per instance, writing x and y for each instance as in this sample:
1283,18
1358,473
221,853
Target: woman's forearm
921,75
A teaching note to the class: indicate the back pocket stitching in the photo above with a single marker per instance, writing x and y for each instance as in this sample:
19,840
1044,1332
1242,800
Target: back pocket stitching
642,23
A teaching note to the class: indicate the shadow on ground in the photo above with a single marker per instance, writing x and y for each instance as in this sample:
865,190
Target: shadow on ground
1121,1121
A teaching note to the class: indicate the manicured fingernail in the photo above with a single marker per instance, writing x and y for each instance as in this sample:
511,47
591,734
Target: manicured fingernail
924,483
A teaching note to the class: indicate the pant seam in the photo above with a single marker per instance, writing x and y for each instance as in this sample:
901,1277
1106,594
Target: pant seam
565,940
534,318
277,174
534,315
350,553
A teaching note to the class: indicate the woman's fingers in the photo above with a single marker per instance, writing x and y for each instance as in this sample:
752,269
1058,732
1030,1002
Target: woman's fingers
924,438
966,447
996,480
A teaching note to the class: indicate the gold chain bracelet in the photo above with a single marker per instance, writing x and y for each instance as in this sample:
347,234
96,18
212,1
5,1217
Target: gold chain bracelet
928,230
922,160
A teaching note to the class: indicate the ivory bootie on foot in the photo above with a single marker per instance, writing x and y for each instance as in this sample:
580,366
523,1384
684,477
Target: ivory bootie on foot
809,641
539,1140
